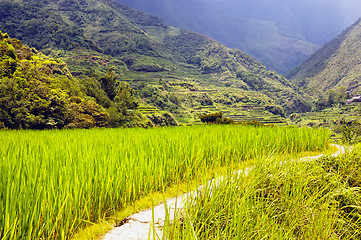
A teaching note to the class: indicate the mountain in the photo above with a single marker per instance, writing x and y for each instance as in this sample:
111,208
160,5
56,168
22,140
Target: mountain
169,69
337,64
279,33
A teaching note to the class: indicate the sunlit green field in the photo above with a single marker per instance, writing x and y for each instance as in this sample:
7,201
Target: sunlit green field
53,183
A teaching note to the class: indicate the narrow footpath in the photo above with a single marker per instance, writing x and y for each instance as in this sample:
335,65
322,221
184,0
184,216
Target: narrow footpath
140,226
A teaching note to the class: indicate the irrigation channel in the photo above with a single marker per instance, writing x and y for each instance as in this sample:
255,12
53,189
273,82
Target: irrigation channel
149,224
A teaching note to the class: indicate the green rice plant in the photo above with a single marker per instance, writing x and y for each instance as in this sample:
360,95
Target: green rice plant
53,183
292,200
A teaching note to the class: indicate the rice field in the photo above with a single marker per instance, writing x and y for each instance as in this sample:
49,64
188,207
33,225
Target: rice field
53,183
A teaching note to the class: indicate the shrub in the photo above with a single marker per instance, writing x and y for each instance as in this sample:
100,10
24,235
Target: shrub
205,100
211,118
215,118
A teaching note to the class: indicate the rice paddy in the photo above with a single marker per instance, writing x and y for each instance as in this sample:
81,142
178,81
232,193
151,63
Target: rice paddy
54,183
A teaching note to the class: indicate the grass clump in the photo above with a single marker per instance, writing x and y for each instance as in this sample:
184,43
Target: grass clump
279,200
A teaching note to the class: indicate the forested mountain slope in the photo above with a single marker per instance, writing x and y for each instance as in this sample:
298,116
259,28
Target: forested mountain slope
279,33
174,70
335,65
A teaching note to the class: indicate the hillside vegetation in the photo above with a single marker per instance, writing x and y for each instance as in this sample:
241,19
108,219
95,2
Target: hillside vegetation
335,65
170,70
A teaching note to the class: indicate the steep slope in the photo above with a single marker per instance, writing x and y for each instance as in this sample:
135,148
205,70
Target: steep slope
335,65
279,33
172,69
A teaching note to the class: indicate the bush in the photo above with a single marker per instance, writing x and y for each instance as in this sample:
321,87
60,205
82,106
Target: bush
211,118
215,118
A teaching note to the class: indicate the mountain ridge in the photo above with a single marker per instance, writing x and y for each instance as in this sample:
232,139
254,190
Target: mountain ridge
335,65
291,30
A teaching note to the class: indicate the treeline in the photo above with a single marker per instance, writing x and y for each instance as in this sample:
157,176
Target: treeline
38,92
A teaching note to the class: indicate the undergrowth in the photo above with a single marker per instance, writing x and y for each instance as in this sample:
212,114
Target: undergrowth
279,200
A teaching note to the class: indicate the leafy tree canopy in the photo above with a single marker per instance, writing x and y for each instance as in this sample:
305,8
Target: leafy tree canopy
38,92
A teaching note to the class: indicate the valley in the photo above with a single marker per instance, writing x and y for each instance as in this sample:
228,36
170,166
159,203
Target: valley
174,75
110,107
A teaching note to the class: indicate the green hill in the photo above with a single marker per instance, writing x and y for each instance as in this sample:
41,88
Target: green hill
335,65
173,70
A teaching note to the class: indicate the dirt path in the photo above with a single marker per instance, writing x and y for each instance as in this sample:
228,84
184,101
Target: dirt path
140,225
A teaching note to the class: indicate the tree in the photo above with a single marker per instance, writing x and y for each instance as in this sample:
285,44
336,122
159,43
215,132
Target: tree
109,83
125,96
124,102
85,114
